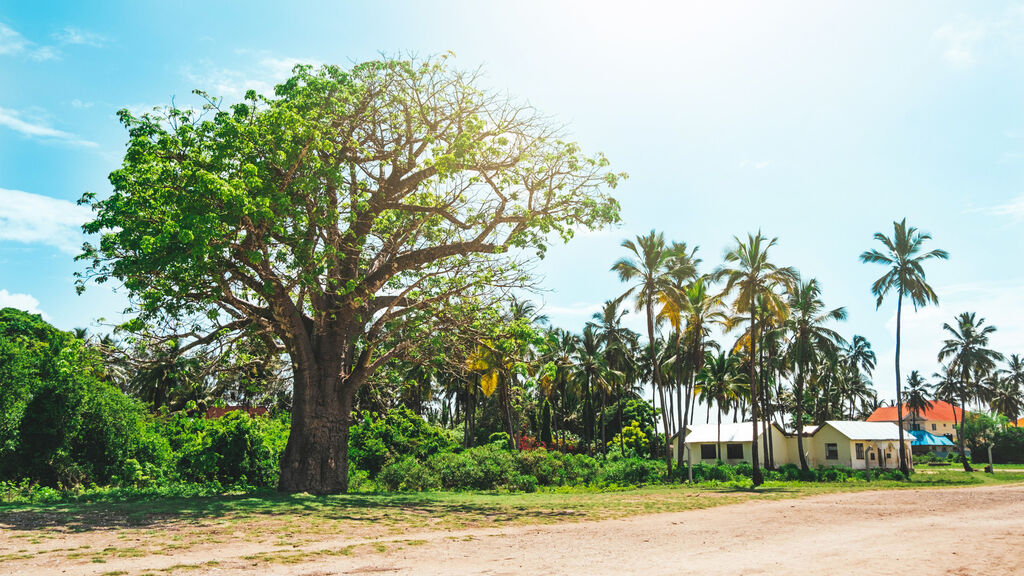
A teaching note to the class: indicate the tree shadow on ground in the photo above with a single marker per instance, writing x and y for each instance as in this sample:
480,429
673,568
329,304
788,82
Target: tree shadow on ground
104,513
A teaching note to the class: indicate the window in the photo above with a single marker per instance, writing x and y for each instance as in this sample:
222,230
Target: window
708,452
888,455
831,452
860,450
934,427
734,451
872,454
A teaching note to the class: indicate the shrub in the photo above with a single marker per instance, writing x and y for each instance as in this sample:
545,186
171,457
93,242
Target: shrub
375,440
631,471
408,474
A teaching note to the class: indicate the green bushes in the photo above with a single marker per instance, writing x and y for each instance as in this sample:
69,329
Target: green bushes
234,449
375,440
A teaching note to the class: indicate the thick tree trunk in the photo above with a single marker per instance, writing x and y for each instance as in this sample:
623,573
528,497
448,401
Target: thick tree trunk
316,457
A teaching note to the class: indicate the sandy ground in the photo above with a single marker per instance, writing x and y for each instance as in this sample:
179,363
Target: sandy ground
947,531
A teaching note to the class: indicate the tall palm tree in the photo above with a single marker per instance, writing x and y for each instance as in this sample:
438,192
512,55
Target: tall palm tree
967,350
699,310
617,343
651,269
749,272
721,382
592,373
917,397
809,340
904,255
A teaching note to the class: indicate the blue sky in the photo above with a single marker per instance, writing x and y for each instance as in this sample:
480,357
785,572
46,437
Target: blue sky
818,123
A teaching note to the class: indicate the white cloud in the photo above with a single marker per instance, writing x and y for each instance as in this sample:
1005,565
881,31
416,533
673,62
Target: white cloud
11,42
14,44
35,219
922,334
966,41
962,42
76,103
1014,209
261,75
24,302
36,129
72,35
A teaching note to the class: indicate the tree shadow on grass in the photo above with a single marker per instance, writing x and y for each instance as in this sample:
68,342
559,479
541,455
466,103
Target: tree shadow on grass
367,509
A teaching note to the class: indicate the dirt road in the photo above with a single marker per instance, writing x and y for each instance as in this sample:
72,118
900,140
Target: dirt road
948,531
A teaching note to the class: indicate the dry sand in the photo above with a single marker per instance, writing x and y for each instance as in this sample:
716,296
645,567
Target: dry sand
939,531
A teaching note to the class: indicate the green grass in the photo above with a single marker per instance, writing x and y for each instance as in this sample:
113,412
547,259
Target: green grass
379,520
447,509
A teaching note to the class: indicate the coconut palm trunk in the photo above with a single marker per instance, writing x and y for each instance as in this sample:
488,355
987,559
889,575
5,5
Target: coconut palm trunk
899,388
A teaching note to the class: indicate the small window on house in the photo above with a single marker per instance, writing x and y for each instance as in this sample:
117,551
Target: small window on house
888,455
831,452
872,454
734,451
934,427
860,450
708,452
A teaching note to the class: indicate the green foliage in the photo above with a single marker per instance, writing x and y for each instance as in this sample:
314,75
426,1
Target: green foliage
374,440
60,423
633,440
235,449
631,472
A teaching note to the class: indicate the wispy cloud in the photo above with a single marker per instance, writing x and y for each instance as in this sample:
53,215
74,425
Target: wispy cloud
35,219
261,74
14,44
962,41
76,36
967,41
36,129
1014,209
24,302
755,164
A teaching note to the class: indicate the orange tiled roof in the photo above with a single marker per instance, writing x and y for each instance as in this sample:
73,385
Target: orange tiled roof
939,410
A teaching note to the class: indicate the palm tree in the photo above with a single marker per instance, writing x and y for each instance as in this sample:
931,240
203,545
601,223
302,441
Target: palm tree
1009,397
617,343
701,310
652,268
748,271
904,257
966,349
809,340
720,382
917,397
591,372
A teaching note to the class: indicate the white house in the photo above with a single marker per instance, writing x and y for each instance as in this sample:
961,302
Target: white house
857,445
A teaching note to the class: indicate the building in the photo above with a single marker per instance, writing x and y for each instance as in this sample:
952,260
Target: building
702,441
857,445
928,443
938,419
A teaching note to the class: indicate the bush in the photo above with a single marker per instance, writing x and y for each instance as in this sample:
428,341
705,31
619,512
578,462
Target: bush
375,440
631,472
408,474
234,449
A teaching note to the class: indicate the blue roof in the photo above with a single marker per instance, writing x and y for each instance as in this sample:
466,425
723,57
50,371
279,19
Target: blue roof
922,438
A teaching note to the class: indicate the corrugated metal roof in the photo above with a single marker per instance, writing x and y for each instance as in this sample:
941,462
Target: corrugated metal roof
866,430
703,433
923,438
